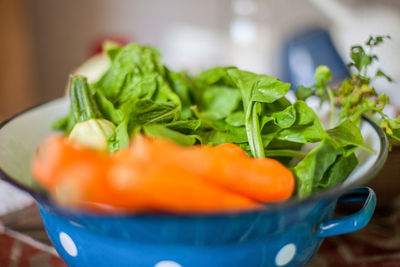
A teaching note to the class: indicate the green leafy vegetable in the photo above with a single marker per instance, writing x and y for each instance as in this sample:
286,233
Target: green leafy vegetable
177,137
339,171
139,95
184,126
348,134
236,119
119,138
256,90
310,171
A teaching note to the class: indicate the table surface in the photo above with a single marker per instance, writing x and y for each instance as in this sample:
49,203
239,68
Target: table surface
23,240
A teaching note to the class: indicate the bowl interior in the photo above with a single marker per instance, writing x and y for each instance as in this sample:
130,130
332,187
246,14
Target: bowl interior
21,135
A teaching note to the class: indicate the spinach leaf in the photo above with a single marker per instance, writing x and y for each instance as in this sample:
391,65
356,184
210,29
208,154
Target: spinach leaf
297,123
234,135
162,131
348,134
135,73
285,118
236,119
146,111
339,171
119,138
303,92
256,90
217,131
126,62
108,110
307,127
64,124
181,84
184,126
303,134
217,75
112,49
220,101
136,113
311,169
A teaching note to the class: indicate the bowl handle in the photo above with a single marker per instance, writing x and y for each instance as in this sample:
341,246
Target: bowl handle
352,222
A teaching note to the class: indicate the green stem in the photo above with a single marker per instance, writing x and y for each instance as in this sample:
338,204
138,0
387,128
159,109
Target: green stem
357,115
285,153
332,102
83,105
253,130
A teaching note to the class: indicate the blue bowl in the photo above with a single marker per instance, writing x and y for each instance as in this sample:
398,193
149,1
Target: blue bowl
282,234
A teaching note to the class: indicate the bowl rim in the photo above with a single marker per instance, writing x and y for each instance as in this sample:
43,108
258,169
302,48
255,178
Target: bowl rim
331,193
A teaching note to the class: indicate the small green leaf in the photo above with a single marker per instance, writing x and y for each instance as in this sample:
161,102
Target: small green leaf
384,99
112,49
285,118
65,124
119,138
303,92
375,41
322,75
380,73
359,57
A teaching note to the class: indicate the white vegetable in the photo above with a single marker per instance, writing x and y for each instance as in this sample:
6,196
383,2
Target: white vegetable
93,133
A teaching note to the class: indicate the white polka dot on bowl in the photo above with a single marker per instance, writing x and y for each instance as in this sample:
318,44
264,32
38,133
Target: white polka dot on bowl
285,254
68,244
167,264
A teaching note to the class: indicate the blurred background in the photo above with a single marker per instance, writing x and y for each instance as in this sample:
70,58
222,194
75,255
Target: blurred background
43,41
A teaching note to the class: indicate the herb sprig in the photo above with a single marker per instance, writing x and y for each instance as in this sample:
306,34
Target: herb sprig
356,96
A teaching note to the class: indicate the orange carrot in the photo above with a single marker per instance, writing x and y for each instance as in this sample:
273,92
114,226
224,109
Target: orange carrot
156,174
58,157
170,189
80,177
226,165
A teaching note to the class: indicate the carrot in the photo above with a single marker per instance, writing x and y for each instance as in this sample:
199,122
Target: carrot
68,170
58,157
156,174
80,177
265,179
166,188
226,165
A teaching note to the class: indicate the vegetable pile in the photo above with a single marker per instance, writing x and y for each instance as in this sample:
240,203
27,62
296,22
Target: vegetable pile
144,137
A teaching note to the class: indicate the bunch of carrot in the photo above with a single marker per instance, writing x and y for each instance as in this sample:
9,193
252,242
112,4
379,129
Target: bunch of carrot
158,175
